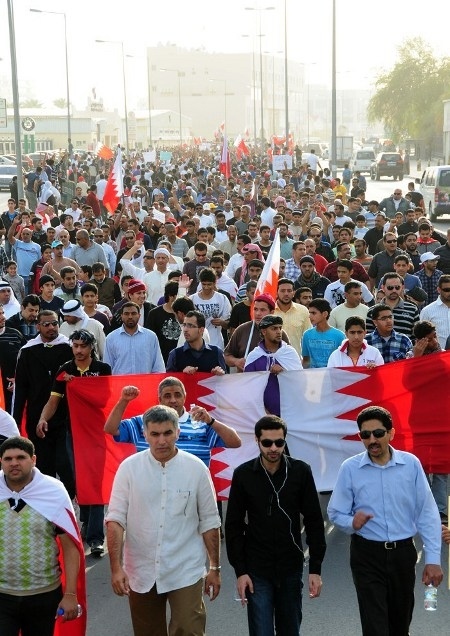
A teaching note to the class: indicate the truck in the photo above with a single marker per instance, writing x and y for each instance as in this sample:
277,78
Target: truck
344,150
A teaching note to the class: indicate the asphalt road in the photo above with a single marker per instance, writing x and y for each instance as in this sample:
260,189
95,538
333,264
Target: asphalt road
335,613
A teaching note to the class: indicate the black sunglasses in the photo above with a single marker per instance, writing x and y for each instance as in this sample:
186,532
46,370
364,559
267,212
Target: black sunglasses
267,443
378,432
391,287
52,323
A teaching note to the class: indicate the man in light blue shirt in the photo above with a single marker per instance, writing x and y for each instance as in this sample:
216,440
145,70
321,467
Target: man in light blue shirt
382,498
132,348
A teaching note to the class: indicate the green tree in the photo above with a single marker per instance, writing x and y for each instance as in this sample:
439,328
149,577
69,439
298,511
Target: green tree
408,98
60,102
31,103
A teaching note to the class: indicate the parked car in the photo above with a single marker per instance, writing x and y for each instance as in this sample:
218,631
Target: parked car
27,161
435,189
7,172
5,161
387,164
362,160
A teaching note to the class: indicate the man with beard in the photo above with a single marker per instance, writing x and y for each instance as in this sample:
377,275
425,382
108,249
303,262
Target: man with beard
382,554
295,317
309,277
37,366
268,497
405,313
132,348
83,364
246,336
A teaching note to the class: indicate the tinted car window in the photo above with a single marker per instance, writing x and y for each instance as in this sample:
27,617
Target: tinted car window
444,179
365,155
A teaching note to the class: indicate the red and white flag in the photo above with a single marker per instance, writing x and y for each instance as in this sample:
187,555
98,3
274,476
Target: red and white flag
225,164
241,147
114,187
103,151
268,281
319,406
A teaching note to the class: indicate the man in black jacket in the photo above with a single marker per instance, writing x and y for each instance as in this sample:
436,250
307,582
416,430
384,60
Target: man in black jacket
37,365
263,532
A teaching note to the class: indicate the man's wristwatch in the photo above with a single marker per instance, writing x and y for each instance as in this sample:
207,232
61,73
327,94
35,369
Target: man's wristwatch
213,419
216,568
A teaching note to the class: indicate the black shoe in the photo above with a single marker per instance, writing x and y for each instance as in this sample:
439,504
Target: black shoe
97,548
83,531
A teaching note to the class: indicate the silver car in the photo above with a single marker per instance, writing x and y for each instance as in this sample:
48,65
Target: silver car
7,172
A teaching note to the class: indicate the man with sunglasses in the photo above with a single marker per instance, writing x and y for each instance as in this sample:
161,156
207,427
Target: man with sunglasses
382,499
268,494
405,314
383,262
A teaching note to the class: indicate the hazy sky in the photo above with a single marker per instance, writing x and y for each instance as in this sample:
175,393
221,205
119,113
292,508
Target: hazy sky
368,35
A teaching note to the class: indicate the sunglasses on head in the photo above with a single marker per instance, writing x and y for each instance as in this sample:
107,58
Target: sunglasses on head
378,433
267,443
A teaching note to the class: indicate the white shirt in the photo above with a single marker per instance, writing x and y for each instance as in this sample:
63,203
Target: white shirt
155,281
235,262
267,216
164,511
439,315
218,306
340,358
93,326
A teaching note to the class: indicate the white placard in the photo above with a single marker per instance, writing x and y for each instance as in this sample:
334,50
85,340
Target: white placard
278,162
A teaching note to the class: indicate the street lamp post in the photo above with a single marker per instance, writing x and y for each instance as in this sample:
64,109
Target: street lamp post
260,35
69,130
286,97
124,86
173,70
333,96
15,92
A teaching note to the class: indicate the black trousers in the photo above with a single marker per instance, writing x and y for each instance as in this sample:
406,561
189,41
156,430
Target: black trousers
30,615
52,457
384,580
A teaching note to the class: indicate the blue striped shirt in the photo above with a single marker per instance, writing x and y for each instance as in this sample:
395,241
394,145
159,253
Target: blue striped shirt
197,441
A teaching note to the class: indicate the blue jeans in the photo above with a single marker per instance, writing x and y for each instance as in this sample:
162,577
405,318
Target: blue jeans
438,485
93,516
275,604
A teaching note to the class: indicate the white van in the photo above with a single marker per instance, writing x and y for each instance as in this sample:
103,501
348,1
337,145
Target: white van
435,189
362,160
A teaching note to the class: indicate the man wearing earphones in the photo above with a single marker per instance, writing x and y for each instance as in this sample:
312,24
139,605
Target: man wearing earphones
263,533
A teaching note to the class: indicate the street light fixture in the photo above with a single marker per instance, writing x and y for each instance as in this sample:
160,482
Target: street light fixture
69,131
179,75
260,35
124,85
